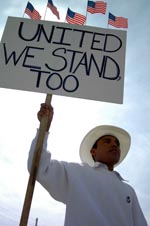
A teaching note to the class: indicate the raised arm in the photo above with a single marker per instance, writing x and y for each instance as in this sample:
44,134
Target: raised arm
45,110
51,173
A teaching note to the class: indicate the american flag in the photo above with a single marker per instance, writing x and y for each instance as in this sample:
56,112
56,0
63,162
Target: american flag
53,8
116,21
75,18
96,7
32,12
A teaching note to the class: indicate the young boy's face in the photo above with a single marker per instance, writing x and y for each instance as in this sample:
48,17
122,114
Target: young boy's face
107,151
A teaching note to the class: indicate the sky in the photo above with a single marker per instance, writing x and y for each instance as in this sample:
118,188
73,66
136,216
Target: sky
74,117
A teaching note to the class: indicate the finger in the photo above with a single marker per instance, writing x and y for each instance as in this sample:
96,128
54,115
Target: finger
44,105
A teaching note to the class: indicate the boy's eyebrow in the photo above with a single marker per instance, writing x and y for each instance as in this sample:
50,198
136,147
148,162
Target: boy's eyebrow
105,139
108,139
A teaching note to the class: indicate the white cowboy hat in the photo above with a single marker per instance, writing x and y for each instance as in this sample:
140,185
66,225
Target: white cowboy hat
99,131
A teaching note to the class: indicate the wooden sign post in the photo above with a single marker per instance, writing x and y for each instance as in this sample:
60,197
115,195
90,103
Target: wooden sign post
34,168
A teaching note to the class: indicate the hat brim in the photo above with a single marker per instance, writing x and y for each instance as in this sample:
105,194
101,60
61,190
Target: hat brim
99,131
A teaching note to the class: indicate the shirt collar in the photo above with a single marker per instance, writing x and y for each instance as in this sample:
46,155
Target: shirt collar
100,164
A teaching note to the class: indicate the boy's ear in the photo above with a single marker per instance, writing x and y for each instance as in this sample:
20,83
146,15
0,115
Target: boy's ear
93,152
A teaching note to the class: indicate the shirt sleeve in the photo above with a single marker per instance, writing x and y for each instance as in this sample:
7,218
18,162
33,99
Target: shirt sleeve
138,216
52,174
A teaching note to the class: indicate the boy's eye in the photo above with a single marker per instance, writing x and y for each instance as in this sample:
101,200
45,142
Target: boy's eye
117,143
107,141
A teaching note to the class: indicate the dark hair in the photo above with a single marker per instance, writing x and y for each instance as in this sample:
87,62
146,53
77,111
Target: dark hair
95,144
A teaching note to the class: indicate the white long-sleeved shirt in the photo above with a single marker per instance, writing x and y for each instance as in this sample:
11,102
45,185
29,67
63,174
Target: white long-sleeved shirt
94,196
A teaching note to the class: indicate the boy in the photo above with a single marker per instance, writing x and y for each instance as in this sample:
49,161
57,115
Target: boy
94,194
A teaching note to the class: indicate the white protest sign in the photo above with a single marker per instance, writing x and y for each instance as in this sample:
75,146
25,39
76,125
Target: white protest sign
63,59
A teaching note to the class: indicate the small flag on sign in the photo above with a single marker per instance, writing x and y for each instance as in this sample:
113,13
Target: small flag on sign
96,7
75,18
119,22
53,8
32,12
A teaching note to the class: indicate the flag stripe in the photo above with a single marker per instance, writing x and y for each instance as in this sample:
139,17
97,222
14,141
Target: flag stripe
75,18
100,7
33,15
97,7
91,7
119,22
53,8
32,12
